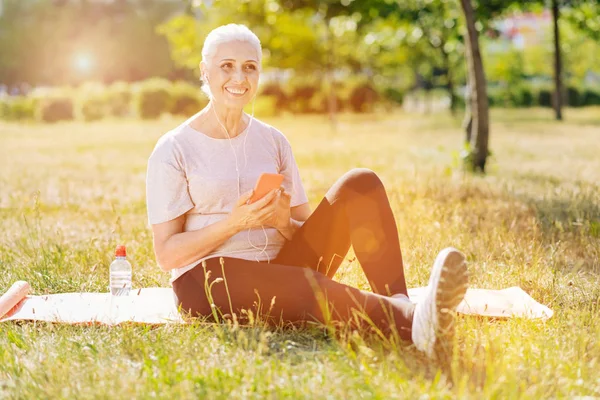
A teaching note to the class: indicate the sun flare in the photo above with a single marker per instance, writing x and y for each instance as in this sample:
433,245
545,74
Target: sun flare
83,62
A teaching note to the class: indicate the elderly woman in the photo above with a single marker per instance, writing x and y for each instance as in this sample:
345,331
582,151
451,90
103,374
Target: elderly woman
274,256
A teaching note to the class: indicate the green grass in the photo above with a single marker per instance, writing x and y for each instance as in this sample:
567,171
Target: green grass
70,192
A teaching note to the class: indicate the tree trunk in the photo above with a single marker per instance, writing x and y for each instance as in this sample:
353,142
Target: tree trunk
558,101
479,100
467,124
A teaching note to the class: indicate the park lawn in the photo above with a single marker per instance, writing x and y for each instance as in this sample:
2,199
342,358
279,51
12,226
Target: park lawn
70,192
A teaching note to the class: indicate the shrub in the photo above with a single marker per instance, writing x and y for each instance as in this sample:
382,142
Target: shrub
118,99
17,108
394,95
527,97
319,103
4,109
275,90
590,98
153,98
91,108
573,97
91,104
187,99
300,99
496,95
521,96
264,106
55,107
363,98
545,98
305,91
460,102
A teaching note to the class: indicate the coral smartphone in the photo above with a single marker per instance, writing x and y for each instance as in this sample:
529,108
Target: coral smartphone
266,182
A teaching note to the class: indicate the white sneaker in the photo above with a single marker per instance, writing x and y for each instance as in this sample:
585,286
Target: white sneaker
433,320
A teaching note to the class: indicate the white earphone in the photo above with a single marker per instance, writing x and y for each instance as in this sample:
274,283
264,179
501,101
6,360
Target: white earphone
237,169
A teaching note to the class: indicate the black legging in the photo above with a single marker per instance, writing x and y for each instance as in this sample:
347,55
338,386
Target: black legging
297,287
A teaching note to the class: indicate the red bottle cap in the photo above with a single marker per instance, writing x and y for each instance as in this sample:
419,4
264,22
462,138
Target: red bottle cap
121,251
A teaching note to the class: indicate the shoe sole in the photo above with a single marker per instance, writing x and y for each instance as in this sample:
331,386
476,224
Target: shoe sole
452,286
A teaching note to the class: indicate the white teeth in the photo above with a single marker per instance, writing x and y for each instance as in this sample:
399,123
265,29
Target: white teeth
236,91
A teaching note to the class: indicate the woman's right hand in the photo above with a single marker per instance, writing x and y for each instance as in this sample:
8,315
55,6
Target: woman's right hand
247,216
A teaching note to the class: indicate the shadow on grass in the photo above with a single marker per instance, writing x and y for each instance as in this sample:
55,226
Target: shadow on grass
569,217
572,207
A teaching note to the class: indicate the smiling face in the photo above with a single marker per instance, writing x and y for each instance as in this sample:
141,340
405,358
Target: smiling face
233,74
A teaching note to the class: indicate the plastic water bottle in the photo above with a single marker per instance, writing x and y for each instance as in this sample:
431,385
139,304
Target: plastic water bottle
120,273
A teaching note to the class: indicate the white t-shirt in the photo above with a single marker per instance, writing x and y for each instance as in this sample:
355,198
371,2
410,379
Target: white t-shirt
193,174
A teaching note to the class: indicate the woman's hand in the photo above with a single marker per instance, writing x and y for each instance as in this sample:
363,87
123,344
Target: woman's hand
261,212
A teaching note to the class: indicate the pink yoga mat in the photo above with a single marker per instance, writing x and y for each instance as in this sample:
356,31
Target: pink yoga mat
157,306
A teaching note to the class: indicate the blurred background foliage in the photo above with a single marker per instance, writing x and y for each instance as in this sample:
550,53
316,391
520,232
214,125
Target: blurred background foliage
88,60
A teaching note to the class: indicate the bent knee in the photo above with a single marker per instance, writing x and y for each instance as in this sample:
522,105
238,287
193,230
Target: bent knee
361,180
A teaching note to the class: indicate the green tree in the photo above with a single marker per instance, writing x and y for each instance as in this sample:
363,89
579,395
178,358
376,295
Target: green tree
312,41
586,17
437,23
585,14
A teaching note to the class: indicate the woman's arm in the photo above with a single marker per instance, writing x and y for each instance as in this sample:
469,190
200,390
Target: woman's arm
298,215
301,212
175,248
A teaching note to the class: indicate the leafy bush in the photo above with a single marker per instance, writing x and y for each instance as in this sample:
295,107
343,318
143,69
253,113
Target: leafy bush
17,108
573,97
363,98
460,102
305,91
55,107
91,108
319,103
521,96
496,96
91,104
118,99
275,90
394,95
264,106
300,99
527,97
153,98
591,98
510,96
5,111
545,98
186,99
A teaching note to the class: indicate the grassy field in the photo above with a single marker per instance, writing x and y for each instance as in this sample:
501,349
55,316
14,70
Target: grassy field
70,192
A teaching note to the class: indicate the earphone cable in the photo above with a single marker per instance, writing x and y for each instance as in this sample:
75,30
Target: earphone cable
237,170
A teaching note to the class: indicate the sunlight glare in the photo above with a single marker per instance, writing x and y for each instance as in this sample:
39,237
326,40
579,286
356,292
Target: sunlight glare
83,62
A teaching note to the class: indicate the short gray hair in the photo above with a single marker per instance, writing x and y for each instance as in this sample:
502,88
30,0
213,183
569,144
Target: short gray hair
225,34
